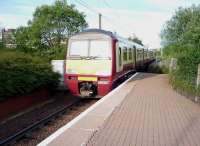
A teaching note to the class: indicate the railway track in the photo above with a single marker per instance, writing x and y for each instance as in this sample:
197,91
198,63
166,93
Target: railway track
26,131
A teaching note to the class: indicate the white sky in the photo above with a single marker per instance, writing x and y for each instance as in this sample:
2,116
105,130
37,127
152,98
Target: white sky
144,18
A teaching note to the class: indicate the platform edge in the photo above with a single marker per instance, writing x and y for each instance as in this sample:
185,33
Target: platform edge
53,136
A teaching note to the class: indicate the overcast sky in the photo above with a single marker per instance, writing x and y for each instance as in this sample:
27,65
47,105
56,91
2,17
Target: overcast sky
144,18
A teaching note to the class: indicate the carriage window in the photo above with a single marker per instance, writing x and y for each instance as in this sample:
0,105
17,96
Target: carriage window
125,54
120,53
134,54
100,49
79,48
138,54
130,54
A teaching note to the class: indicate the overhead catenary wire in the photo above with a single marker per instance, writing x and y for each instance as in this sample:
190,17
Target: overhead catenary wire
116,14
107,4
109,20
106,18
110,7
87,6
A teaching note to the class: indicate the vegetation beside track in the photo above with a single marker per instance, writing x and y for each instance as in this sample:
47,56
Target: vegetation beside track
180,37
26,67
21,73
46,34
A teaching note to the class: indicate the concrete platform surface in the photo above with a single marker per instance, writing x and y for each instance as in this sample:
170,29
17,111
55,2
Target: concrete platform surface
82,128
144,111
152,114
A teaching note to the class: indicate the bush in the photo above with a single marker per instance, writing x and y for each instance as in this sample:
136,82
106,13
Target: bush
1,44
54,53
21,73
184,77
159,66
181,36
178,82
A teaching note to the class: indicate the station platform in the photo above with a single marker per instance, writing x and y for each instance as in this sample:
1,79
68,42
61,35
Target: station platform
143,111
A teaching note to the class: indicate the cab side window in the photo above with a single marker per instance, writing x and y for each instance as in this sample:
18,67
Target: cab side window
139,55
120,54
125,57
130,54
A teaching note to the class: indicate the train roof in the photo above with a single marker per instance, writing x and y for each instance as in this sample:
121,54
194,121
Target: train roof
101,31
112,35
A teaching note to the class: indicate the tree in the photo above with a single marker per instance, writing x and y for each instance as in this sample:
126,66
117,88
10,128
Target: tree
183,28
136,40
54,23
1,44
51,24
181,39
23,39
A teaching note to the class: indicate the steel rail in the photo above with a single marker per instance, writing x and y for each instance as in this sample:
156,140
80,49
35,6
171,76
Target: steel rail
22,133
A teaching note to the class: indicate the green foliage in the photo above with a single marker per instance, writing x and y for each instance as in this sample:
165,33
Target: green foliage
158,66
136,40
184,77
176,50
54,53
24,40
1,45
155,69
51,25
21,73
181,40
183,85
183,28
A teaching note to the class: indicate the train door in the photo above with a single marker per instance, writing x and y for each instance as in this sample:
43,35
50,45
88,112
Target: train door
119,58
143,53
134,56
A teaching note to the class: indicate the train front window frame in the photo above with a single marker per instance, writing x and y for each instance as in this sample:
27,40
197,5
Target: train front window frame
92,49
100,49
79,48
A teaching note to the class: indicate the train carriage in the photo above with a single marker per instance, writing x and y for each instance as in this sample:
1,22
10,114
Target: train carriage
97,60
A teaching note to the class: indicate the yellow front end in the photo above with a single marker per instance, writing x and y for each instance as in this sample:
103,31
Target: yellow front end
88,77
89,67
89,64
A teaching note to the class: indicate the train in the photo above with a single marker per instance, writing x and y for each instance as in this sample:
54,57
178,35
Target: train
98,60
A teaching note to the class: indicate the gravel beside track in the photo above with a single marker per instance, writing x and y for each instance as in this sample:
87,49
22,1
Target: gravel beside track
40,134
61,100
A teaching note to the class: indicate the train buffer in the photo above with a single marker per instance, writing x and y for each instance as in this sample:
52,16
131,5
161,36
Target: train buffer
144,110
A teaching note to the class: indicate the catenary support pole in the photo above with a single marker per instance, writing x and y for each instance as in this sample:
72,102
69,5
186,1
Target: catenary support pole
100,20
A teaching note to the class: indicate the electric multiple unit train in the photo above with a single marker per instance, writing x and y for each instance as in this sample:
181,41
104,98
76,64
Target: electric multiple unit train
98,60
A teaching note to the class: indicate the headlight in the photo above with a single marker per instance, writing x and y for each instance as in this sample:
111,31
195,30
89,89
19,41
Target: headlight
71,71
103,73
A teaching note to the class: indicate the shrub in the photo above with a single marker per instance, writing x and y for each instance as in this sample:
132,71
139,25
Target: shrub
184,77
178,82
1,44
180,38
54,53
21,73
159,66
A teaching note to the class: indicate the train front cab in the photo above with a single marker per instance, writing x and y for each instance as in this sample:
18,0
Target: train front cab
89,64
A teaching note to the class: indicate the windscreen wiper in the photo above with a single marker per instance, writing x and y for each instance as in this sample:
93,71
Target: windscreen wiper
95,57
85,58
